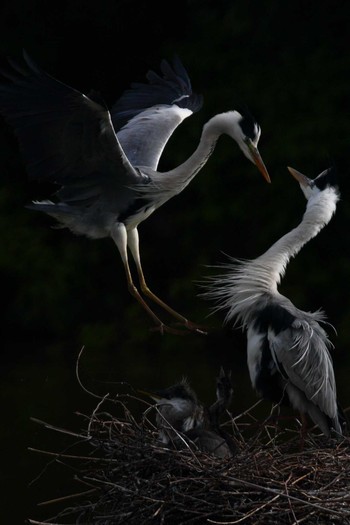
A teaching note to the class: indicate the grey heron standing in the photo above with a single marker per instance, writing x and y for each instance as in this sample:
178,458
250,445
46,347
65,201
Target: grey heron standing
287,348
182,417
105,162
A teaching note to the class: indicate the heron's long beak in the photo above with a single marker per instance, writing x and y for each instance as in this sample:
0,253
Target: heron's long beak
302,179
154,396
256,158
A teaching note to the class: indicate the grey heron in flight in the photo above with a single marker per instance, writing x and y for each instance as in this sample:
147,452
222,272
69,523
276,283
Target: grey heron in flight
288,350
181,418
105,161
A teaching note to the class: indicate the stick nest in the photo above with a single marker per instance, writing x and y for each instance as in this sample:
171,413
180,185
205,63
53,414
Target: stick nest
127,476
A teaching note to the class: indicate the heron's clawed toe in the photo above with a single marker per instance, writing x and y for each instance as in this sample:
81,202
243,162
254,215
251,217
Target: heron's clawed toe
200,329
194,327
188,325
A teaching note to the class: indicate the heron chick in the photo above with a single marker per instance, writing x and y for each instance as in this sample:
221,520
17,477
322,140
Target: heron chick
181,418
105,161
178,410
288,350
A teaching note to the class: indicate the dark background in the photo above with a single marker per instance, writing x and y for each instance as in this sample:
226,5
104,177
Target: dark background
289,62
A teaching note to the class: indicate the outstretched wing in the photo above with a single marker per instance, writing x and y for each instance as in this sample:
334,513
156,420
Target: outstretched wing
301,353
65,136
146,115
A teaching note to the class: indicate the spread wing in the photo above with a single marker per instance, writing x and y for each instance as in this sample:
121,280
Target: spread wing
301,353
65,136
146,115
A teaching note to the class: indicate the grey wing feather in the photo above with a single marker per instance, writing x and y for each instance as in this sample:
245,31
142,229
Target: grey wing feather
65,136
146,115
301,353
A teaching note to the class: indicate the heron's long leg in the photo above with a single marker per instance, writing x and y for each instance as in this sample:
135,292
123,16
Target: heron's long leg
303,429
119,235
133,243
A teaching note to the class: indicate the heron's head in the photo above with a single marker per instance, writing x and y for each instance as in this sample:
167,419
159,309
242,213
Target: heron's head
224,388
311,187
246,132
180,397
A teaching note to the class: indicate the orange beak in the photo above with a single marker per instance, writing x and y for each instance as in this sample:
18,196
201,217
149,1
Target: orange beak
256,157
302,179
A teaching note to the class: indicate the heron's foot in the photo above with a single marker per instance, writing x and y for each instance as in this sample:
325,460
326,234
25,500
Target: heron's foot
190,327
181,320
193,327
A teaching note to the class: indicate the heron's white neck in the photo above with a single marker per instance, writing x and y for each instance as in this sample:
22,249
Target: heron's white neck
245,281
174,181
221,124
319,211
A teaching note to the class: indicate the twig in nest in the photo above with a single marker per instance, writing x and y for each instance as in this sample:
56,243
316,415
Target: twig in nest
132,478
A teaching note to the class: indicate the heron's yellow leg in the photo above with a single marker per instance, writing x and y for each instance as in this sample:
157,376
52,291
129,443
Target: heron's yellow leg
120,238
133,243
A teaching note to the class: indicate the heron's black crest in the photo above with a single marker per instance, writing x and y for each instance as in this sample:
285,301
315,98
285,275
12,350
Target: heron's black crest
275,317
248,124
327,178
